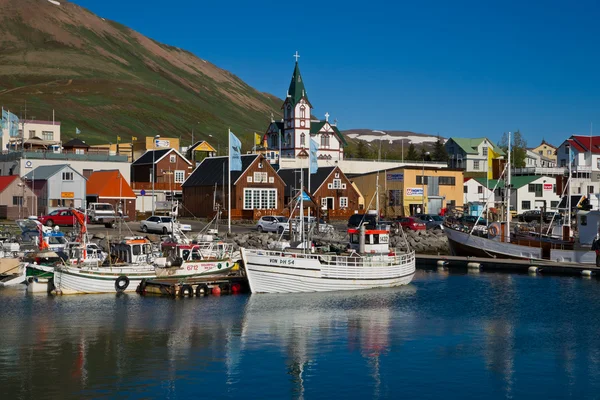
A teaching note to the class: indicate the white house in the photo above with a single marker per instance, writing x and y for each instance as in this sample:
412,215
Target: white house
57,186
585,166
530,192
293,133
476,192
472,155
47,131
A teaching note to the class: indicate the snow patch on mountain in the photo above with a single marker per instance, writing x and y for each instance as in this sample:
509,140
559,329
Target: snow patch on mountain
391,139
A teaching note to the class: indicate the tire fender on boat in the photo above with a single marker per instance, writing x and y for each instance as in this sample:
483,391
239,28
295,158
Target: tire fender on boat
142,287
186,290
201,290
121,284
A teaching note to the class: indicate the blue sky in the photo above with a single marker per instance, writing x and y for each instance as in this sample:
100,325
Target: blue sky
462,68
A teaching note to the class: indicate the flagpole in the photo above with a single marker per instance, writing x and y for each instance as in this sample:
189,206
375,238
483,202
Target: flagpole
229,182
309,172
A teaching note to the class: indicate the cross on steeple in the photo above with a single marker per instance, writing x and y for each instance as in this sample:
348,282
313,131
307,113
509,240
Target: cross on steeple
326,117
297,56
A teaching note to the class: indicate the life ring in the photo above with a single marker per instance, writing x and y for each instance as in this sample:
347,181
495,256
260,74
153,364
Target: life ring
142,286
121,284
201,290
186,290
494,230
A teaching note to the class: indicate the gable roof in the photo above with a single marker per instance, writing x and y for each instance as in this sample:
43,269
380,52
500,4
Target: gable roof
210,171
291,177
316,126
6,180
517,182
109,184
44,172
76,143
584,144
202,145
469,145
147,158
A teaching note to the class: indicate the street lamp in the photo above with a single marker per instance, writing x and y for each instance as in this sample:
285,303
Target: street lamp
154,169
218,144
423,184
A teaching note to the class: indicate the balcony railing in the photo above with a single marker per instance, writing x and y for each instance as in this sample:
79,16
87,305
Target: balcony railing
50,155
147,186
539,171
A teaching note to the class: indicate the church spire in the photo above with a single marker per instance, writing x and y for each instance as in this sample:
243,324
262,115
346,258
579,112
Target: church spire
297,90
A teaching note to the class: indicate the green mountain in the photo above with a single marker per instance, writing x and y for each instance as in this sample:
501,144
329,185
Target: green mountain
110,81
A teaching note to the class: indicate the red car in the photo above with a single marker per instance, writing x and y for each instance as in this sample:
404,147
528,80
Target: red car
61,217
411,223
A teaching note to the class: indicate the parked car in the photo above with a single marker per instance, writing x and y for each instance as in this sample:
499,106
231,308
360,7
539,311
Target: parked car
471,219
60,217
411,223
432,221
308,221
162,224
273,223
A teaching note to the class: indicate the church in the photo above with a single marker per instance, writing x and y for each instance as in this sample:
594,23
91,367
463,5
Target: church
290,136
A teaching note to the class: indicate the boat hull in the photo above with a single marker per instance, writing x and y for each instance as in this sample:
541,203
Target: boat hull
71,280
195,269
276,272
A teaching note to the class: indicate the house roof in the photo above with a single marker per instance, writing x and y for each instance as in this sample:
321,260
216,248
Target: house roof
291,177
109,184
6,180
316,126
44,172
202,145
469,145
76,143
297,90
584,144
210,171
517,182
147,158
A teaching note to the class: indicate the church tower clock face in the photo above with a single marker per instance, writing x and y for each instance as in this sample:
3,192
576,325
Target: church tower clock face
302,124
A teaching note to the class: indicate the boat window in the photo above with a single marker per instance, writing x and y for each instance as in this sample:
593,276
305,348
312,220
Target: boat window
196,255
147,249
583,220
375,239
185,254
137,249
354,238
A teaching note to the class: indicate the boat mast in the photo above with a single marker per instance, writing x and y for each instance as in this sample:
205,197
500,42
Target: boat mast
302,206
508,192
377,196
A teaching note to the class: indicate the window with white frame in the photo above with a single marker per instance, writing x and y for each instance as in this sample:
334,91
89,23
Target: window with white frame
324,140
476,164
260,199
79,151
337,184
302,139
343,202
47,135
67,176
179,176
260,177
173,158
302,112
485,151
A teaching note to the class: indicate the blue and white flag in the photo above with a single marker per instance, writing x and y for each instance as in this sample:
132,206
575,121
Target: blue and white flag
235,153
13,125
4,119
77,131
314,165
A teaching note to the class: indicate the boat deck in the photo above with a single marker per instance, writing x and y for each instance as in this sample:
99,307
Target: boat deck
198,286
502,264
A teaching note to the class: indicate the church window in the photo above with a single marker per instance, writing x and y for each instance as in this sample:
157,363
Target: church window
288,139
325,140
274,140
289,111
303,140
302,112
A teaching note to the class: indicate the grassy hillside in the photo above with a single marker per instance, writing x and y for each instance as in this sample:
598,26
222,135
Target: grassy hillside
111,81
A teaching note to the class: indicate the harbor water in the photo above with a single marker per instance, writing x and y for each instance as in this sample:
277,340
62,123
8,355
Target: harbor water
447,335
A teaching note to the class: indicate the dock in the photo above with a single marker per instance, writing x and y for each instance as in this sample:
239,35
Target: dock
199,287
425,261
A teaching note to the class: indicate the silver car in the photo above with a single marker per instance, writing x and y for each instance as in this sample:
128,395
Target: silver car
273,223
162,224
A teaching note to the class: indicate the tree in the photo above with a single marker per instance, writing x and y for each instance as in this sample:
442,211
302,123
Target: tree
363,151
519,149
439,151
412,155
424,155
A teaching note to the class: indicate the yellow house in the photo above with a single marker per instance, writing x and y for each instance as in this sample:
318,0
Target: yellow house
409,190
545,149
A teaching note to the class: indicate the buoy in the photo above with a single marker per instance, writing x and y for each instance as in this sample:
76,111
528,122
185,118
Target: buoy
236,288
216,290
474,265
533,270
587,272
442,263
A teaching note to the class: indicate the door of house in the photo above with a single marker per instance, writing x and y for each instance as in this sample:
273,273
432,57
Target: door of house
434,205
330,203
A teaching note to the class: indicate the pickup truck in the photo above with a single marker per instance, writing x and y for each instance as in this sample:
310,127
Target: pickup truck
103,213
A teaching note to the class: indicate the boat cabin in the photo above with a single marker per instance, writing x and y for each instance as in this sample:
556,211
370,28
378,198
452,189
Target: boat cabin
136,250
376,241
92,253
180,253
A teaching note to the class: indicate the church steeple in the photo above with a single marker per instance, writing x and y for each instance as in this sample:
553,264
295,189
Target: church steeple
297,90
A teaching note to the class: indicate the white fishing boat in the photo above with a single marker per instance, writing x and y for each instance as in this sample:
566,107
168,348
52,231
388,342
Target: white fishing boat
184,260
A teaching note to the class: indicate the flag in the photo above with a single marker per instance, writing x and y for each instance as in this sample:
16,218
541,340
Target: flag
492,155
235,153
314,165
4,119
573,154
257,139
13,123
77,131
118,138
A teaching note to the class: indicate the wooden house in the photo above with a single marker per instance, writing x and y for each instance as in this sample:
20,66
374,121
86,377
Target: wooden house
111,187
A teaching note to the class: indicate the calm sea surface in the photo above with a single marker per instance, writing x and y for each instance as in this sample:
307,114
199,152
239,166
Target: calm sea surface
451,336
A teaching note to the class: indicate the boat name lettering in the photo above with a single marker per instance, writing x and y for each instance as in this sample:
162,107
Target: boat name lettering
192,267
281,261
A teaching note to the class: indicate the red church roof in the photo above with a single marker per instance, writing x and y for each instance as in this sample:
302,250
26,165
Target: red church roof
109,184
6,180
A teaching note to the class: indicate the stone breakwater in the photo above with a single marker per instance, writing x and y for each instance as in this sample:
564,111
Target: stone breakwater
423,242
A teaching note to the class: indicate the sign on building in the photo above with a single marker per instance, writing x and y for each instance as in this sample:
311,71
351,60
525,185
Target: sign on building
414,191
162,143
395,177
547,186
